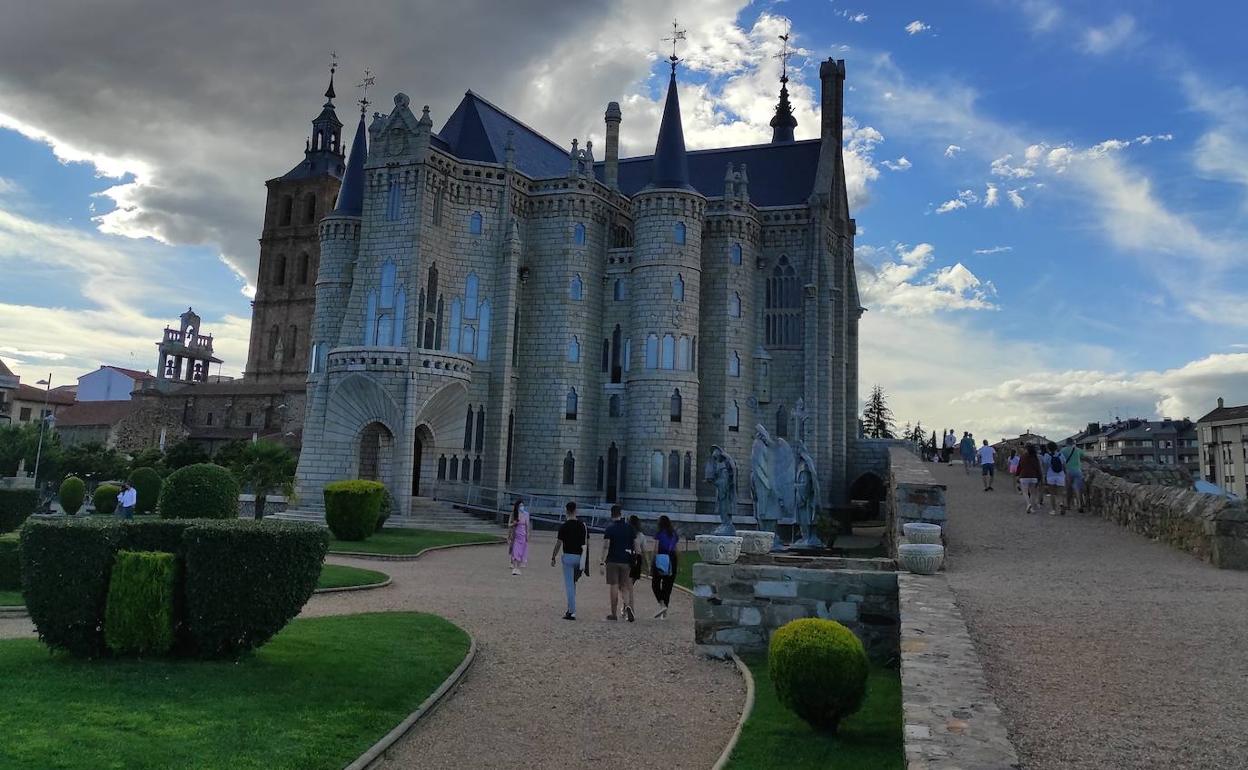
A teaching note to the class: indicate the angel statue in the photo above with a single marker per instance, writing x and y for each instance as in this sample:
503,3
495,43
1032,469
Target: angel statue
806,497
721,471
771,479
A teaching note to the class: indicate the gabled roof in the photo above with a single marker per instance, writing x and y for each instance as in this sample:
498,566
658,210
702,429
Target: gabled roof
95,413
54,396
131,373
1226,413
477,130
779,174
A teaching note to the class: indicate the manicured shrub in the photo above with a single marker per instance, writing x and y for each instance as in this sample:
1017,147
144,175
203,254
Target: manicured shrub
15,506
245,580
203,491
10,564
105,498
139,613
73,492
352,508
819,669
147,484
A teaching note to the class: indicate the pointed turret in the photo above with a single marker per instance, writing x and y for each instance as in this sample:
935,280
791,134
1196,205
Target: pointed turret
327,128
351,196
783,123
671,166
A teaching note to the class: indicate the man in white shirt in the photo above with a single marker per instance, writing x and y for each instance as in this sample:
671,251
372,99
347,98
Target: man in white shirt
128,498
987,455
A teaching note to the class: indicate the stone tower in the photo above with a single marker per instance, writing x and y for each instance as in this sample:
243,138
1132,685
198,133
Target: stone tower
290,254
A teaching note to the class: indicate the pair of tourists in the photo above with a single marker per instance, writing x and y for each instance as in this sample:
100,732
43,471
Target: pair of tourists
966,447
127,499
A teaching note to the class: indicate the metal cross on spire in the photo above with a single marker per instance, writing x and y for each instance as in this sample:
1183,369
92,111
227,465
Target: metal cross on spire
333,67
364,85
784,55
678,35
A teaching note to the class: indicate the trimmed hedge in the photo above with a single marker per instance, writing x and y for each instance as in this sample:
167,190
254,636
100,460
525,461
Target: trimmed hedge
10,564
240,580
105,498
352,508
202,491
15,506
72,494
147,484
139,615
819,669
387,506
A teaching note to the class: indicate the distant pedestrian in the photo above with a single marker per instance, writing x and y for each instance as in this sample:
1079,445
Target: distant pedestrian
1072,456
617,559
951,442
1012,465
518,537
127,500
966,448
987,467
639,549
663,565
1054,478
573,538
1030,476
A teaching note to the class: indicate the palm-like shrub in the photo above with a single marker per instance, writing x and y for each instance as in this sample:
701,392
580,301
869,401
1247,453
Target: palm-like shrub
73,493
203,491
352,508
819,669
266,467
104,498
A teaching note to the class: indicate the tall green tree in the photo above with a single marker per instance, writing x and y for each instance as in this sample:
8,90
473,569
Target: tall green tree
877,418
21,442
92,462
151,457
265,467
185,453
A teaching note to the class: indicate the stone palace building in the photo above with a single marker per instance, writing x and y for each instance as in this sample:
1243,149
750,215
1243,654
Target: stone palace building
498,314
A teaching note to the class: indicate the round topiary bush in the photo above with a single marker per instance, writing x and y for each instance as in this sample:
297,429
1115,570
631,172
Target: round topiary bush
147,484
819,669
73,492
105,498
353,507
201,491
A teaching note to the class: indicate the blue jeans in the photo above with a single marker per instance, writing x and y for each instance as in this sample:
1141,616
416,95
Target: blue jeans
127,512
570,562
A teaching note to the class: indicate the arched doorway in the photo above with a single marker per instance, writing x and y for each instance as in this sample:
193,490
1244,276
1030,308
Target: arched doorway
424,442
866,494
376,447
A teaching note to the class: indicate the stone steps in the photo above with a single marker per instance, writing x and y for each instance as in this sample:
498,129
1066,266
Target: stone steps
426,514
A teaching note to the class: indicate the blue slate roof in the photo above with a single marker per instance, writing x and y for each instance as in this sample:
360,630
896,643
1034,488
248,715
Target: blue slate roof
477,130
351,194
779,174
670,167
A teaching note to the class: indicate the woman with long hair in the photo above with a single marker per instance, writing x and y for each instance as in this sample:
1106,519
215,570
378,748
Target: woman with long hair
663,565
1029,478
518,537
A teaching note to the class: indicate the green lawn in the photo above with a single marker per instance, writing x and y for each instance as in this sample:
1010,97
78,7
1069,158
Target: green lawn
338,576
317,696
775,737
394,542
11,599
684,567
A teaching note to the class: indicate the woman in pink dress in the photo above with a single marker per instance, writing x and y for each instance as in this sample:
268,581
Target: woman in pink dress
518,537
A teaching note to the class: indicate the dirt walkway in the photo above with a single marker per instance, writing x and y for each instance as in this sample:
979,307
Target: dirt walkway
1105,650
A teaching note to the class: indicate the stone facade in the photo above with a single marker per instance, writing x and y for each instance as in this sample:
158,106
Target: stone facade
497,316
1211,528
914,495
736,607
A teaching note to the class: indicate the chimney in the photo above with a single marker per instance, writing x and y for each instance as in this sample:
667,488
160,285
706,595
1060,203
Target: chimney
1220,402
611,170
831,112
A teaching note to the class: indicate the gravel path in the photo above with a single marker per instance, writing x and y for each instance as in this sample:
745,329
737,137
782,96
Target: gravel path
1104,649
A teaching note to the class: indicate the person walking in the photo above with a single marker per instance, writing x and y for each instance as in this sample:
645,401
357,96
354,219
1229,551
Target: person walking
967,448
987,467
573,538
639,549
1054,479
518,537
617,559
1072,458
950,443
127,500
1029,477
1012,466
663,565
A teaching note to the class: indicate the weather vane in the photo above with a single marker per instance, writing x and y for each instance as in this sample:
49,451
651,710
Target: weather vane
678,35
784,55
367,83
333,62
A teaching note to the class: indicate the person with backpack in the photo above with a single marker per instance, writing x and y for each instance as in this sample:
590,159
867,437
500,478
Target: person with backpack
1054,479
573,538
1072,456
663,565
1030,474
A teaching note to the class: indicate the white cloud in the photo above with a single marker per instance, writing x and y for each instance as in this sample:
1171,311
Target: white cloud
859,18
1114,35
952,150
1016,199
992,196
916,26
1043,15
952,204
904,282
994,250
901,164
9,187
1222,150
1003,167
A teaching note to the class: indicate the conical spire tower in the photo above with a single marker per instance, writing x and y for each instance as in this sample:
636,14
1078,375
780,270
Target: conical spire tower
351,195
671,165
783,122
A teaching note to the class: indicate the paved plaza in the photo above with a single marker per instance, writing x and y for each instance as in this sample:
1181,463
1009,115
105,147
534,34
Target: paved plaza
1104,650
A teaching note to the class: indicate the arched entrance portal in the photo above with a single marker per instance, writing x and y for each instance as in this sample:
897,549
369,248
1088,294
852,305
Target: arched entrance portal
376,450
424,444
867,493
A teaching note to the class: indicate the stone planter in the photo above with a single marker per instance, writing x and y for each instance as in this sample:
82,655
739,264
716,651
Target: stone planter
919,532
756,542
921,558
719,549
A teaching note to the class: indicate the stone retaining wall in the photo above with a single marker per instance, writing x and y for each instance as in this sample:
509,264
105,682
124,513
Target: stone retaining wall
737,606
913,495
1210,528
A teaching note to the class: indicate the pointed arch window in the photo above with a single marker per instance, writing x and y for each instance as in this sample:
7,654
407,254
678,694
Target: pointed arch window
652,351
601,469
431,312
687,481
669,352
684,354
480,437
620,292
574,351
279,271
454,472
578,234
782,422
468,430
782,309
576,288
475,223
442,468
734,364
275,338
673,470
385,310
569,468
570,404
394,203
470,321
472,287
734,254
734,305
438,195
305,268
657,464
678,233
678,288
732,416
676,405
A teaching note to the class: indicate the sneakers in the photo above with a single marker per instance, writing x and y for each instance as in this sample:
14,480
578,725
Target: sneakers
612,617
515,571
628,613
569,616
662,613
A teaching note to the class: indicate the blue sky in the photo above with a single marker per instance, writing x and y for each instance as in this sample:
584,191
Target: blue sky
1050,195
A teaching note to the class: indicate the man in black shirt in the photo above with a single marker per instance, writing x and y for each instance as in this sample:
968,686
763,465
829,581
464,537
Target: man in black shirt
617,557
572,537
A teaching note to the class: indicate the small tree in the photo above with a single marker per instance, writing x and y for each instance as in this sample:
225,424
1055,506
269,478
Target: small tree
877,418
265,467
151,457
93,462
185,453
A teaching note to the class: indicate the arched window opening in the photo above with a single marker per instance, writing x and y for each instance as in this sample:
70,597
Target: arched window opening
569,468
676,405
678,233
734,254
613,406
601,468
570,404
279,271
476,469
305,268
656,470
620,291
574,351
309,209
673,470
480,437
734,305
578,234
687,482
678,289
394,203
652,351
438,195
275,335
442,468
576,288
684,354
617,373
732,416
468,430
454,473
669,352
734,364
782,309
475,225
292,342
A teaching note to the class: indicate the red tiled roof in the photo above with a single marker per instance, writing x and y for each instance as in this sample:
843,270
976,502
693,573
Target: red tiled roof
131,373
87,413
55,396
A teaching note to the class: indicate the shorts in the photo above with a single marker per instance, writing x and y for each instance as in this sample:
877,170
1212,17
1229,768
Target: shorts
988,469
1056,480
1028,482
617,573
1074,479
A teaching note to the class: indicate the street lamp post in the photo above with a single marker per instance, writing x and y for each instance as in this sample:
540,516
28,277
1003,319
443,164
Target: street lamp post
43,420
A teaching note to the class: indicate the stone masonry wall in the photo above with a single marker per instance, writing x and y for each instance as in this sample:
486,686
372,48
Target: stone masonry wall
913,495
1213,529
736,607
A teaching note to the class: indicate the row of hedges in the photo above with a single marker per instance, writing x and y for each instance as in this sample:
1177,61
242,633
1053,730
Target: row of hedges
239,581
15,506
353,508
